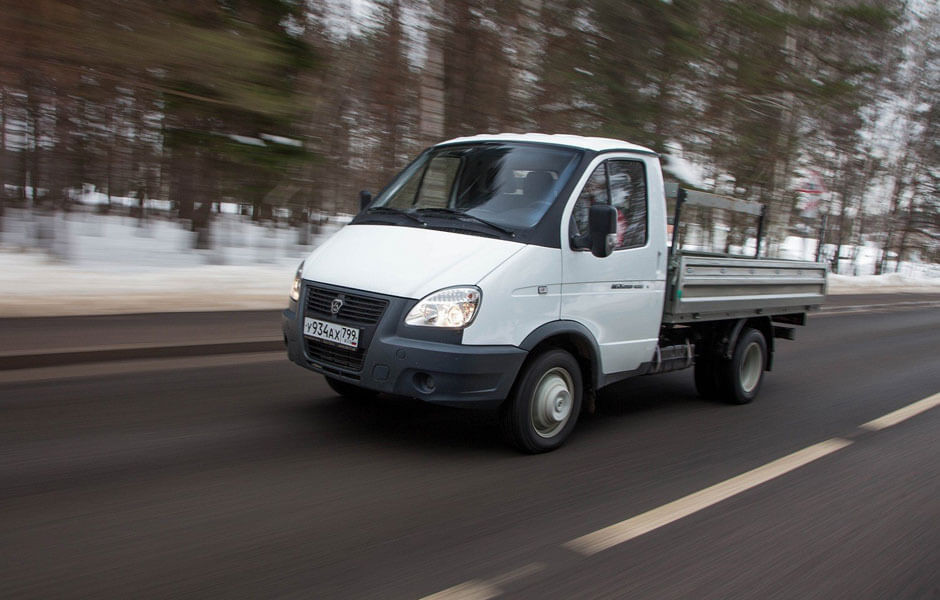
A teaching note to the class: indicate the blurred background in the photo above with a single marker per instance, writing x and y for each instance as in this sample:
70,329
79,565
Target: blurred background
143,135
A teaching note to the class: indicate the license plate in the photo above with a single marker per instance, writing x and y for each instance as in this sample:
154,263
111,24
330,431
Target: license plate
331,332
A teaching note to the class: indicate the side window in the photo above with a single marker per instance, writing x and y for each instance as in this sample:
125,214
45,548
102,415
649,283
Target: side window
594,192
628,195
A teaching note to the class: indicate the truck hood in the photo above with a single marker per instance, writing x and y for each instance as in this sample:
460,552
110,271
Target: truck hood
404,261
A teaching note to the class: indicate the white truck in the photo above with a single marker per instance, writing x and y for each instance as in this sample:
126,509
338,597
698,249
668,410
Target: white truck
525,273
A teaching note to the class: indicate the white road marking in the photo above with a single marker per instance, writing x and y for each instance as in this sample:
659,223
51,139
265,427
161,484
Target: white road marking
623,531
484,589
902,414
475,589
618,533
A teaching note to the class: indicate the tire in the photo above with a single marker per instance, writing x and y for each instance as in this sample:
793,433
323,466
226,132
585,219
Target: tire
744,373
349,390
543,407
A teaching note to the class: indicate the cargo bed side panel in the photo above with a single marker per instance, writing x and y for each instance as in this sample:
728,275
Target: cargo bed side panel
706,288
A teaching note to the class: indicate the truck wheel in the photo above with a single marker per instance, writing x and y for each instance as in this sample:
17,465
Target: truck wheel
744,373
350,391
543,407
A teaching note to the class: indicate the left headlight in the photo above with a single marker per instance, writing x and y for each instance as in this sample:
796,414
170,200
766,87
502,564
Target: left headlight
452,307
295,287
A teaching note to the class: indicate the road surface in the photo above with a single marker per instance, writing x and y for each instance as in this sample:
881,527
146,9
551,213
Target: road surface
244,476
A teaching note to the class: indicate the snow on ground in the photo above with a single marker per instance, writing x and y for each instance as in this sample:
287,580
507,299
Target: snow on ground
889,283
93,264
34,285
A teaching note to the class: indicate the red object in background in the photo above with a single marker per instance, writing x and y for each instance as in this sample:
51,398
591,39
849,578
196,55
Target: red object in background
621,227
814,185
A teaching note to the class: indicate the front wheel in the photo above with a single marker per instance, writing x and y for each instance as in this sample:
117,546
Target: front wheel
544,404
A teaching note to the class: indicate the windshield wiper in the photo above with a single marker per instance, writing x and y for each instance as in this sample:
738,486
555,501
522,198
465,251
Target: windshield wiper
387,210
461,214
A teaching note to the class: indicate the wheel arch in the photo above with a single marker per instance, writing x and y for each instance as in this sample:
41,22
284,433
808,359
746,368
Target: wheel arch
573,337
721,337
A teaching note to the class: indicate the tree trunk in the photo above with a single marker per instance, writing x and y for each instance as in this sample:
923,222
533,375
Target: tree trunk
843,200
138,160
431,103
202,184
33,118
110,171
390,92
201,225
181,181
897,192
906,231
3,157
24,168
457,69
60,156
660,117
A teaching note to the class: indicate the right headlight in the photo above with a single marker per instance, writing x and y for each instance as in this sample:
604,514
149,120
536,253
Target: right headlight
295,287
453,308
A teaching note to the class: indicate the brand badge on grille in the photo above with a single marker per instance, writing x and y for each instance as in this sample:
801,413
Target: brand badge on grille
336,305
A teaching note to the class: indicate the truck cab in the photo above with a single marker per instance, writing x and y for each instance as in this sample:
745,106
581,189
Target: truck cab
518,272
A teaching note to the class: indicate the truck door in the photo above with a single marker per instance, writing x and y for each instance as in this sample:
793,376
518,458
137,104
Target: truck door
619,298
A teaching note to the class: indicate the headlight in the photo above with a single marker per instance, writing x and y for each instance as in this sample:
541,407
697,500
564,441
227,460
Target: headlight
295,287
454,308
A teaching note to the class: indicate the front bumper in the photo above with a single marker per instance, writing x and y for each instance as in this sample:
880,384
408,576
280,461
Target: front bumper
418,362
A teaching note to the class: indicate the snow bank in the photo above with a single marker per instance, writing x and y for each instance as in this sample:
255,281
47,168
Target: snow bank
33,285
97,264
882,284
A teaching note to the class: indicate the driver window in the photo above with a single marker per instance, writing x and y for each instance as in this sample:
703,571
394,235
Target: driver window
628,195
594,192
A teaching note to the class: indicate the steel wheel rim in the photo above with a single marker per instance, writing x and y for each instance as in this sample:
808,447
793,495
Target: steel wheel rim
751,367
552,402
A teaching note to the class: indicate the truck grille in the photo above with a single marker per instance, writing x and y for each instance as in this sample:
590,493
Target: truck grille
334,356
355,309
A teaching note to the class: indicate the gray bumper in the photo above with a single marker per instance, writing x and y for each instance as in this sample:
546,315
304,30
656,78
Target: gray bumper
418,362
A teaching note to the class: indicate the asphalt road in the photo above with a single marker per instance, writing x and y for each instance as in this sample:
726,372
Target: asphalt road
244,476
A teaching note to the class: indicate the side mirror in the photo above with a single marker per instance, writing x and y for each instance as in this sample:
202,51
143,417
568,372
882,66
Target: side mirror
365,198
602,224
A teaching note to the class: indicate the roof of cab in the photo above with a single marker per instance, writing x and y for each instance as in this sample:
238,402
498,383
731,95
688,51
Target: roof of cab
597,144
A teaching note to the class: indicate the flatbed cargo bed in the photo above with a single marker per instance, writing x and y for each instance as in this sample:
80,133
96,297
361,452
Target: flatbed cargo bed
706,287
703,286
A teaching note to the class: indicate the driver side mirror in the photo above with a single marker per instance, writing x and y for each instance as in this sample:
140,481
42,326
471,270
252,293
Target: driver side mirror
602,224
365,198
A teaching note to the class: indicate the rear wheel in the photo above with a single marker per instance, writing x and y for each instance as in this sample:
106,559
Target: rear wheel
544,404
349,390
744,373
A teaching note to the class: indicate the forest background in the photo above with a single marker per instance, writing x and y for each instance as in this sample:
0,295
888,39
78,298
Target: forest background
826,111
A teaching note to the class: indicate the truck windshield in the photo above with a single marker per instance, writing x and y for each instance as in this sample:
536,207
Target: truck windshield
501,185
